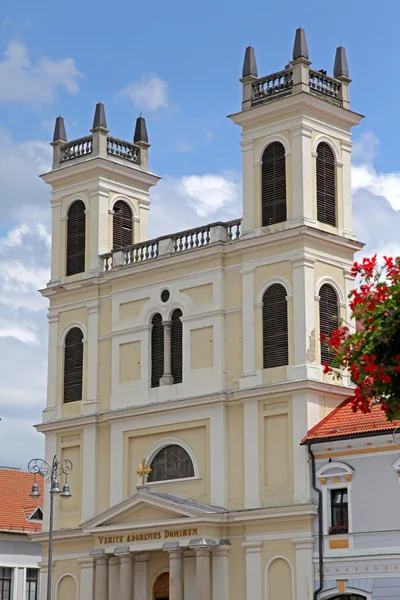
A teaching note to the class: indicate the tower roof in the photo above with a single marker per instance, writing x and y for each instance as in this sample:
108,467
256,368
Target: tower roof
300,49
99,120
141,131
59,131
249,63
341,68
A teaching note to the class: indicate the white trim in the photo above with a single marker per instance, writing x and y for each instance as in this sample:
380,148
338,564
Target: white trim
326,279
269,563
270,281
326,508
67,328
70,201
127,201
274,137
348,591
59,581
251,453
342,469
171,441
324,138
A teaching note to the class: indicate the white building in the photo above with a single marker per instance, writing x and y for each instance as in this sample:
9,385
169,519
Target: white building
19,516
357,473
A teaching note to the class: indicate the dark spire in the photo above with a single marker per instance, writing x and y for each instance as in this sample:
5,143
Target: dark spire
341,68
300,49
140,131
249,63
99,120
59,131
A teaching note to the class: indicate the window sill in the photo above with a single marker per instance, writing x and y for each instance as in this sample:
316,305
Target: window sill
169,481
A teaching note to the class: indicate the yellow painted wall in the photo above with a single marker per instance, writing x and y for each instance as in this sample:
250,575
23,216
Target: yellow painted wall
202,347
129,361
138,443
233,349
276,462
200,293
66,586
279,580
132,309
68,512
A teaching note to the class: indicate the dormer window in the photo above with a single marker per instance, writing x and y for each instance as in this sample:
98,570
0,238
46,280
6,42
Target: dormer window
37,515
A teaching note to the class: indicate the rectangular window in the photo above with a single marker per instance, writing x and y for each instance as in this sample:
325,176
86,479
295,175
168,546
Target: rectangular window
32,576
339,512
5,583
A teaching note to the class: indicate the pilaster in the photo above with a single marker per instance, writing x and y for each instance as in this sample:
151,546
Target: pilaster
220,572
49,412
140,578
89,467
304,362
249,377
248,221
86,586
90,405
56,237
101,577
189,559
175,570
99,242
304,567
346,187
167,378
302,179
126,575
253,570
251,454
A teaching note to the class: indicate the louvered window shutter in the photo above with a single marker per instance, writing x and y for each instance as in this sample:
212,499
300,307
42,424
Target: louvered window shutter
328,318
157,350
122,225
76,223
73,365
275,327
326,185
273,184
176,346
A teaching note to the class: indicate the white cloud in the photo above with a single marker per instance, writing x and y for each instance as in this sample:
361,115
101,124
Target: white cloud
207,194
27,337
365,148
381,184
34,83
150,93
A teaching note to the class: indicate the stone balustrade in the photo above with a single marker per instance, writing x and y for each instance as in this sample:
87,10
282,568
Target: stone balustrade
122,149
322,84
271,86
175,243
76,149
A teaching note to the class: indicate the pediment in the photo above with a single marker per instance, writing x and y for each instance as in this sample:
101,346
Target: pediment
147,507
144,513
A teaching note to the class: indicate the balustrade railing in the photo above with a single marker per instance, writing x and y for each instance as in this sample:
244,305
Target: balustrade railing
272,85
173,244
192,238
76,149
323,84
121,149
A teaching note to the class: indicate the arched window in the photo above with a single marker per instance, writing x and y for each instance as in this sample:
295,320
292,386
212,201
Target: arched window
157,350
176,346
122,225
328,318
275,327
172,462
76,223
326,185
73,365
273,184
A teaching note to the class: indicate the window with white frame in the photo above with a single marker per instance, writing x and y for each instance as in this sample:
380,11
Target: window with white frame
335,480
5,583
32,579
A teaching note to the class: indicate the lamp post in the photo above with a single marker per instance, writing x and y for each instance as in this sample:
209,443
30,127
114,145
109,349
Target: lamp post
50,473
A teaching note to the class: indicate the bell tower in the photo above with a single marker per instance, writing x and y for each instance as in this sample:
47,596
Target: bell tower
307,113
100,196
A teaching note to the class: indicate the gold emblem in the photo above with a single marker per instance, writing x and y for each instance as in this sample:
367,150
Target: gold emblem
143,471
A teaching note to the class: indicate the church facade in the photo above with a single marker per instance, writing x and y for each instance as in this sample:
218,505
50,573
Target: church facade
184,371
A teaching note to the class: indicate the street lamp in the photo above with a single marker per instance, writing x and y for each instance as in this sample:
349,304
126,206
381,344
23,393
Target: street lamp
50,473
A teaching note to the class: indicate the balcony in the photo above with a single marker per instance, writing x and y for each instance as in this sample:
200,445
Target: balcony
173,244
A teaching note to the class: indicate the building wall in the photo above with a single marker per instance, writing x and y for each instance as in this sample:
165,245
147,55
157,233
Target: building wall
18,553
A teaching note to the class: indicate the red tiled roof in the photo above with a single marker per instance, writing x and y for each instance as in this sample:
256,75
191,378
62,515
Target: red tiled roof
16,504
342,421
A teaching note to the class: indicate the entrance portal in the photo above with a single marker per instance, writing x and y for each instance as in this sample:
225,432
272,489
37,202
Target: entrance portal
161,587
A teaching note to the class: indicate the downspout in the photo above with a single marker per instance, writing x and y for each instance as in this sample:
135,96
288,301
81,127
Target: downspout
320,527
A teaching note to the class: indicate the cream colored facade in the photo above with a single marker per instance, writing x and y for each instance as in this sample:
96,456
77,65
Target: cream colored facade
241,527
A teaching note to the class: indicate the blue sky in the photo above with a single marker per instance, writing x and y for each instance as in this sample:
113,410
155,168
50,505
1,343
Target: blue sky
179,64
